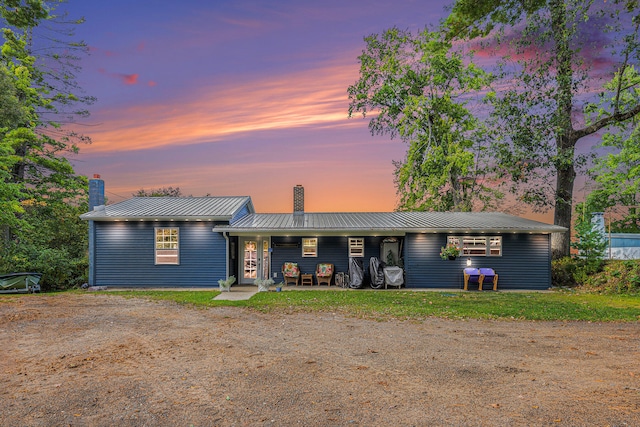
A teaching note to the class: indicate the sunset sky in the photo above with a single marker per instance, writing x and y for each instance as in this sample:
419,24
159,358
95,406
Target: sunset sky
238,98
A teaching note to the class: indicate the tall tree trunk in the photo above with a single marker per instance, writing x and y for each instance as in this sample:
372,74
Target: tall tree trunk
566,174
565,138
19,168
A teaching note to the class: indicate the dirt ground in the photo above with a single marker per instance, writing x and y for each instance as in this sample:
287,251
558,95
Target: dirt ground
103,360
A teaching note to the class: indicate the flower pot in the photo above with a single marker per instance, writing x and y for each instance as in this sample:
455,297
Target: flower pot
452,258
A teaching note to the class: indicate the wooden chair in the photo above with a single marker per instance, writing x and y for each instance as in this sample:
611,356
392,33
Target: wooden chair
324,273
471,275
291,273
489,275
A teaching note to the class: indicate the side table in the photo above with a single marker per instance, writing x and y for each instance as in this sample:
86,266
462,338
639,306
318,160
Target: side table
307,279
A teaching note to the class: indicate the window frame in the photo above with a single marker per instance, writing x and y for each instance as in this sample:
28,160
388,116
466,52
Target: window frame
356,247
493,246
309,243
174,246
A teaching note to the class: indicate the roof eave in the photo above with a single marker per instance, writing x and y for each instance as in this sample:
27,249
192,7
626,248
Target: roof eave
393,231
155,218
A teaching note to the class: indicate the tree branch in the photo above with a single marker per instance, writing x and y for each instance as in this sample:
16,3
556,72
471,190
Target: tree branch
614,118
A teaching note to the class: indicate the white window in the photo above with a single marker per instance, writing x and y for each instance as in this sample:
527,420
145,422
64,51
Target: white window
477,245
495,246
356,247
167,246
309,247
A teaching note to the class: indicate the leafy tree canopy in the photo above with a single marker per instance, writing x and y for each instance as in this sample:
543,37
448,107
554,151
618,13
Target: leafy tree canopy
39,191
416,87
159,192
548,49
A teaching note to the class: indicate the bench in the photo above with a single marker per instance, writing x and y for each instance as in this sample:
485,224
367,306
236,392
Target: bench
490,276
475,275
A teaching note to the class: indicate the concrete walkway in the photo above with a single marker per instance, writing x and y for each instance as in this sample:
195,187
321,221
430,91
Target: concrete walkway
244,292
238,293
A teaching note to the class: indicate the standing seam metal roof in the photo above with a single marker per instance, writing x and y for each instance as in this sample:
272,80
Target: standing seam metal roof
172,207
400,221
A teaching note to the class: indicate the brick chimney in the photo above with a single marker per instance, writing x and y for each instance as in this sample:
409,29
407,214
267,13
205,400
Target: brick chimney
96,192
298,200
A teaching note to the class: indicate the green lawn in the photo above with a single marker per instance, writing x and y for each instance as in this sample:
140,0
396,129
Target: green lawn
384,305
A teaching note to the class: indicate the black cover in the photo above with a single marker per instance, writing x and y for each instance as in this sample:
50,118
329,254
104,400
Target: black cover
377,273
356,273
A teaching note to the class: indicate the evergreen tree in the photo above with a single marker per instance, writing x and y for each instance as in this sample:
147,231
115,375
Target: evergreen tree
41,194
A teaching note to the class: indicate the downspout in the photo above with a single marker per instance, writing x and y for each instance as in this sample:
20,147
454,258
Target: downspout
92,254
226,253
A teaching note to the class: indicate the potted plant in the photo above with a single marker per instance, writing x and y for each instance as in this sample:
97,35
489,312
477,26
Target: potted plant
263,284
450,251
225,285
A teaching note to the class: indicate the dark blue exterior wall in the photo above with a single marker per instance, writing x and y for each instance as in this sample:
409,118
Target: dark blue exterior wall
525,263
243,212
331,249
125,255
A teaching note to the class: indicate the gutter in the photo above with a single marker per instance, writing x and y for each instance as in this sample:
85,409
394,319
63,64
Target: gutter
389,231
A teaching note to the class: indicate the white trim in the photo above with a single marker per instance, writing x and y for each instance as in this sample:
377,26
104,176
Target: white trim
157,256
458,240
313,244
356,247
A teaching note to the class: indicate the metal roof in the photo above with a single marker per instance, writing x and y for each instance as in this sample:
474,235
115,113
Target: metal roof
177,208
388,222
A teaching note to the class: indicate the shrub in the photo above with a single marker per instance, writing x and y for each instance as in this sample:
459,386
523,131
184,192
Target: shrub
563,272
608,277
571,272
617,277
59,270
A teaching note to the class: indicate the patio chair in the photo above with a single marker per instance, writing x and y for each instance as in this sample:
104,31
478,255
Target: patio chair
471,275
324,273
489,275
291,273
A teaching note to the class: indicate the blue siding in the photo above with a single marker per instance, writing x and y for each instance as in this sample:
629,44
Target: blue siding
242,213
125,255
525,263
92,255
333,250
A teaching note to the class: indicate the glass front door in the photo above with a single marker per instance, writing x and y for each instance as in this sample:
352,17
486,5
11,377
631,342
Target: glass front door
254,259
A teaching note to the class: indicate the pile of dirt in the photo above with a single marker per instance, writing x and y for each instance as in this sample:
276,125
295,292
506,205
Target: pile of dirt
102,360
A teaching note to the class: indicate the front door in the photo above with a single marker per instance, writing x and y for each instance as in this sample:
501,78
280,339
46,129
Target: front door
254,259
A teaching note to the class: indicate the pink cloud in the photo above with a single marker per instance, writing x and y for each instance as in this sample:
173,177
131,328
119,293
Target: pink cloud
151,83
127,79
592,40
315,98
130,79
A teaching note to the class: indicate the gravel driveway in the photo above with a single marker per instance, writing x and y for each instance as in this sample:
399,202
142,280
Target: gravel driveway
103,360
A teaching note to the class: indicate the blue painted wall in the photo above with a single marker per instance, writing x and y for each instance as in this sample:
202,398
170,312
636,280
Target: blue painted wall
525,263
125,255
333,250
242,213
